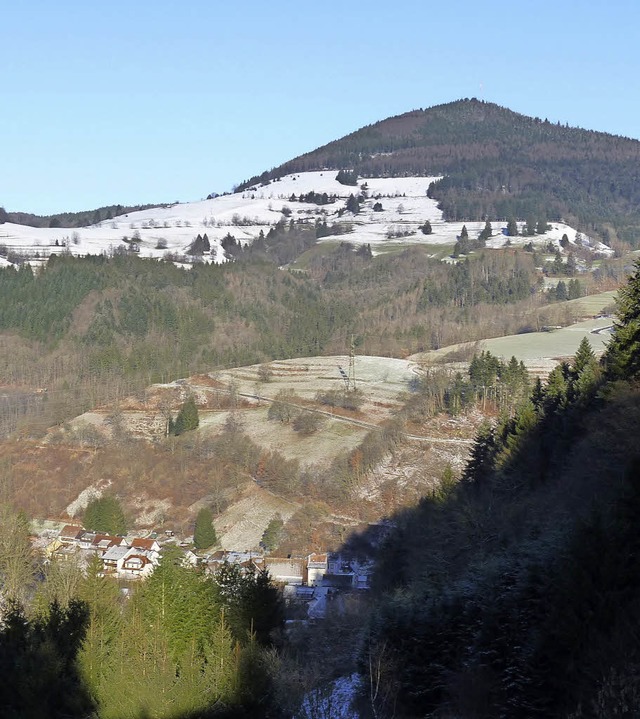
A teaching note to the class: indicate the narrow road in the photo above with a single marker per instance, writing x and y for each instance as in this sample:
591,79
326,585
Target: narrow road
360,422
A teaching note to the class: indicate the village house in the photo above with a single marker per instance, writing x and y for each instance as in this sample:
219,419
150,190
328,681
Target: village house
66,553
347,572
245,560
317,567
113,559
137,564
70,533
102,542
120,558
52,547
286,571
150,546
129,562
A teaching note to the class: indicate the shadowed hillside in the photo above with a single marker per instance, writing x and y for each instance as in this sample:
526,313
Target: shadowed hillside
527,602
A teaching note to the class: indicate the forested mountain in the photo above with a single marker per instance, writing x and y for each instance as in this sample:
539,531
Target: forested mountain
497,164
527,602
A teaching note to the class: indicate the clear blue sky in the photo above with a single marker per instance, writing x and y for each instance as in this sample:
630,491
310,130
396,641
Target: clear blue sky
134,102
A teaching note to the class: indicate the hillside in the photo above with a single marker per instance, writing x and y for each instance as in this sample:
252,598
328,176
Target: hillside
497,164
527,603
92,330
284,439
389,216
264,462
454,164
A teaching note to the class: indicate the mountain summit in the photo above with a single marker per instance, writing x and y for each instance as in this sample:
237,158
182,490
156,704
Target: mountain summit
496,164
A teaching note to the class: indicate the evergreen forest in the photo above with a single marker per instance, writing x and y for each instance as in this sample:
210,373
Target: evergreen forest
92,330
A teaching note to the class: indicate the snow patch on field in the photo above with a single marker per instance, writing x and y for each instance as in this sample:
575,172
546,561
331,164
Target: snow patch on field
540,351
334,701
169,230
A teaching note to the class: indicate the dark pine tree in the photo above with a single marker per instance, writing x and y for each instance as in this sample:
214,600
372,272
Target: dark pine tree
347,177
105,515
353,205
622,358
561,291
187,418
204,535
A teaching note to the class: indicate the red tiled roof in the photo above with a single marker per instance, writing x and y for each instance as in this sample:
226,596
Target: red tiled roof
71,531
139,543
143,560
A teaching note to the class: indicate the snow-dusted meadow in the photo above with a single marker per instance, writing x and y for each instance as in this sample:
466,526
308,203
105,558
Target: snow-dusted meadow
171,229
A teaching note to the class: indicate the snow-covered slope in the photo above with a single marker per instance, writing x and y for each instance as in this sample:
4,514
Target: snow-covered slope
171,229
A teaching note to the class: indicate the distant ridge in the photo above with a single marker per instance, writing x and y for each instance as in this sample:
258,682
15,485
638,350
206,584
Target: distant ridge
498,164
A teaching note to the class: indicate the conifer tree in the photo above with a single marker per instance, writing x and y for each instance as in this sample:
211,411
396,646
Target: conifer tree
485,234
622,358
584,357
181,600
353,205
574,289
585,372
204,535
541,226
272,534
558,267
187,418
347,177
40,677
105,515
561,291
530,227
537,395
17,565
555,392
483,452
98,652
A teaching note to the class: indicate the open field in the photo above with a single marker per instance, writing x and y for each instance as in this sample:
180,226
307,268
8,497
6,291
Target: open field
540,351
333,437
169,230
593,304
380,379
240,526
